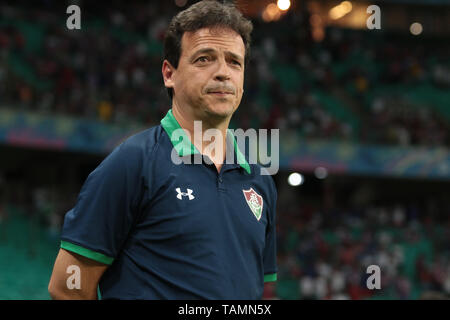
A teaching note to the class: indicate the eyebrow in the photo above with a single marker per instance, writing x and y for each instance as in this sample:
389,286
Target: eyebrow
211,50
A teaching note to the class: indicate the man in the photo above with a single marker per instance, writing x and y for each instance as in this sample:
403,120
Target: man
146,227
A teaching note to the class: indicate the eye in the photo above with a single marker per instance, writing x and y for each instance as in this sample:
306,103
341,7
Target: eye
203,59
236,62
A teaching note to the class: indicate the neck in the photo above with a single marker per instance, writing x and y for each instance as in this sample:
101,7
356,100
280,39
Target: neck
187,119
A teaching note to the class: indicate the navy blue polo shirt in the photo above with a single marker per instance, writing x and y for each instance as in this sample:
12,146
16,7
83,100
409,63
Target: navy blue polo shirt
175,231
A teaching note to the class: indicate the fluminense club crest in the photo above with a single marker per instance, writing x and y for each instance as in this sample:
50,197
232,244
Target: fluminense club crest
254,201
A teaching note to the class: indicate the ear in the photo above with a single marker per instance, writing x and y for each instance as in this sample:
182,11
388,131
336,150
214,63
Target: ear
168,72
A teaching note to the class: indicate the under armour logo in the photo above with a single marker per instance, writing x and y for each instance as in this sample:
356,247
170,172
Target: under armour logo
188,194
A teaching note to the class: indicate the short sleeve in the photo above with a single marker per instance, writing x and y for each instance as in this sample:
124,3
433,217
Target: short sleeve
107,206
270,250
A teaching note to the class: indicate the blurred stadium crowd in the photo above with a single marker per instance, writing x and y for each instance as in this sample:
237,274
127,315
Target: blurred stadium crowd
355,86
324,254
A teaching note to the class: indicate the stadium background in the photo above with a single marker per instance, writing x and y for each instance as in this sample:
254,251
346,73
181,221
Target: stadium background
363,118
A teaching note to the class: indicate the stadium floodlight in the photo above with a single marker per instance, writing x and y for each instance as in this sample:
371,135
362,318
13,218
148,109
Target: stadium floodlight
340,10
271,13
321,172
295,179
284,5
416,28
180,3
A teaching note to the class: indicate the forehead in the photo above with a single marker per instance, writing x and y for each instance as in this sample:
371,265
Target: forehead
218,38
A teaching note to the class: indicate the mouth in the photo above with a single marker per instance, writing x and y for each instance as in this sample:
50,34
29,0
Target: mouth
220,93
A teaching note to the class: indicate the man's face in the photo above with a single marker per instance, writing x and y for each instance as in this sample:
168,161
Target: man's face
209,79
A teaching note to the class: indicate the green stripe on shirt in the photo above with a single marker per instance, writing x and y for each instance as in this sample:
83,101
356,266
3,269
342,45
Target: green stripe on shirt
99,257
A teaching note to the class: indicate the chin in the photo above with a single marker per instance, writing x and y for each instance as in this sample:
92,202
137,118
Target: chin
222,111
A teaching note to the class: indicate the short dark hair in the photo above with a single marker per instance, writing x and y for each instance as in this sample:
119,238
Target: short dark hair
206,13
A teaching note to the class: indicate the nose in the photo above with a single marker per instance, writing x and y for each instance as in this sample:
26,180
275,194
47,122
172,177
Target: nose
223,71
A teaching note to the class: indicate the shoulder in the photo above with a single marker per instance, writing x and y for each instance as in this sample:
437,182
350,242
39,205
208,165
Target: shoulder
132,154
140,144
145,139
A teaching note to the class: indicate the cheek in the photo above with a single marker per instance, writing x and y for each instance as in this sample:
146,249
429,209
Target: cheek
189,86
239,97
240,88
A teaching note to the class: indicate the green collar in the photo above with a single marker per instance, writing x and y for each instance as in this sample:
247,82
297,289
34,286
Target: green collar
185,147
